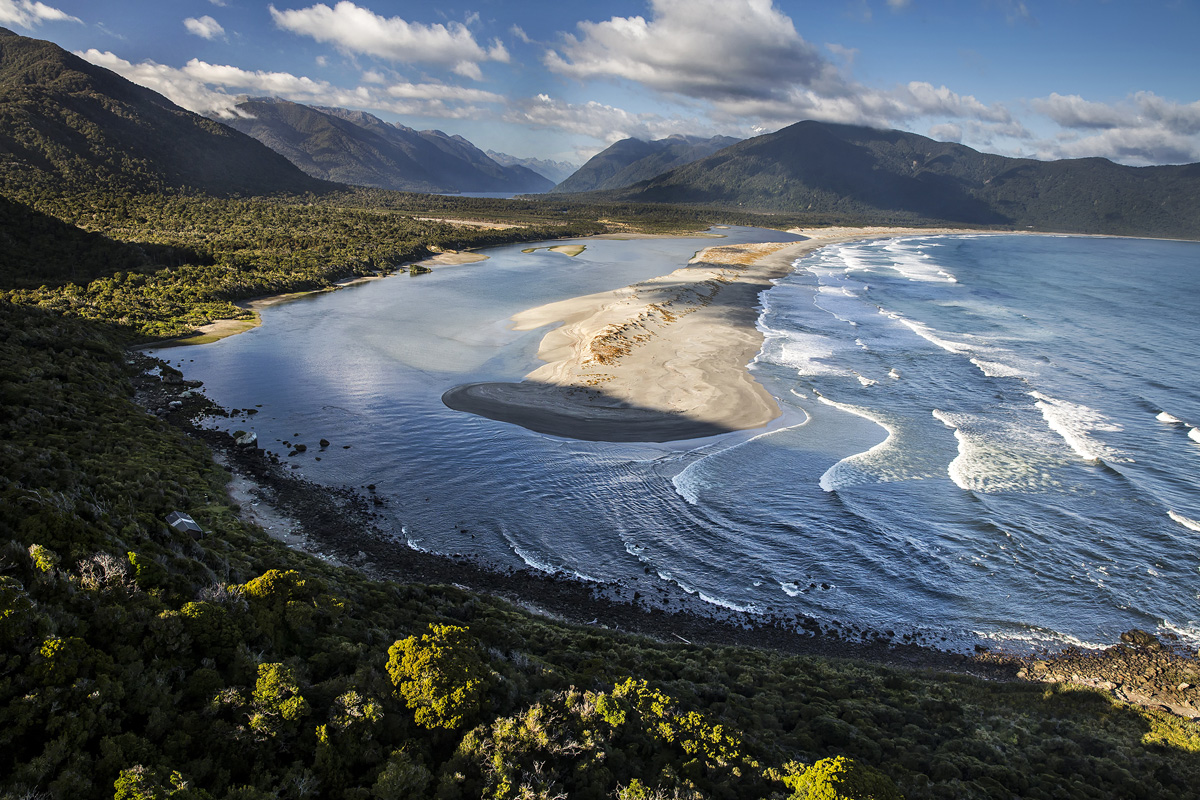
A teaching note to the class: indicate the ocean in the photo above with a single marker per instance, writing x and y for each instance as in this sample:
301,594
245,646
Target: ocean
985,440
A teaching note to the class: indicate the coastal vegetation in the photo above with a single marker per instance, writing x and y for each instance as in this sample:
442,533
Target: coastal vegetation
139,662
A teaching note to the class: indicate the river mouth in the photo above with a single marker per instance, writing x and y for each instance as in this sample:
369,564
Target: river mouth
845,510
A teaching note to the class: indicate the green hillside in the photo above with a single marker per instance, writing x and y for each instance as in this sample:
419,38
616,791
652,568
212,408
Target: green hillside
630,161
358,148
897,177
66,124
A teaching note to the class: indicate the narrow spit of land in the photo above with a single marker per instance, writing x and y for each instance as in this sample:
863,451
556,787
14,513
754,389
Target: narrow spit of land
660,360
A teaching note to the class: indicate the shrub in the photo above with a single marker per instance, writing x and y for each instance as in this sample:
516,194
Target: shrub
440,676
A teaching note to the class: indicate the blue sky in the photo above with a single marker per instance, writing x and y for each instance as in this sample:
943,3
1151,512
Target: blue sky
562,80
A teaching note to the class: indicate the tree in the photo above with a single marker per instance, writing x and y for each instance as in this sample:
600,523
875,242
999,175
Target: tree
440,676
838,778
278,705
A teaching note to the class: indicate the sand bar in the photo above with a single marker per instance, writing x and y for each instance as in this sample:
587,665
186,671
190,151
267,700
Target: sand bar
661,360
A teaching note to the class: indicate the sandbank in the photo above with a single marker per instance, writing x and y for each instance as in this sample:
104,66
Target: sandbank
660,360
566,249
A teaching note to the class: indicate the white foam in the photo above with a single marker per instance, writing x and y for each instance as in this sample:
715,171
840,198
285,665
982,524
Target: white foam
995,369
865,381
995,455
1190,524
791,588
1189,635
804,352
1194,434
894,374
546,567
1073,422
848,472
689,483
916,266
1170,419
1038,638
708,598
929,334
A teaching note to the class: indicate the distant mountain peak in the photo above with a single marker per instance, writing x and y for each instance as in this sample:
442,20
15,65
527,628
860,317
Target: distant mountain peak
555,171
632,160
357,147
69,123
859,174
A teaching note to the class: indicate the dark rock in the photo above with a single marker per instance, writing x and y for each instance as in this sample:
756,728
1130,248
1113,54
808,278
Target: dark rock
1140,638
324,443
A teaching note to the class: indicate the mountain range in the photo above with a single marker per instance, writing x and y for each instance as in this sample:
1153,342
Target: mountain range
632,160
68,124
895,176
355,147
556,171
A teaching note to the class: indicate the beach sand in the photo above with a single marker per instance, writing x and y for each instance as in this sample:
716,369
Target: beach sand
661,360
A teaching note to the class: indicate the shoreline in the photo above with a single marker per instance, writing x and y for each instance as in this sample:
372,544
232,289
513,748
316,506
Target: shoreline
223,328
664,359
341,526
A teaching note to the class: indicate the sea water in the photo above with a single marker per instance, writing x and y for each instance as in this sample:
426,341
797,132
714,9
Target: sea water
985,438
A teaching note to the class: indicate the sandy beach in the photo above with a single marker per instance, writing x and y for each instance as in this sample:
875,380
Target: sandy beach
661,360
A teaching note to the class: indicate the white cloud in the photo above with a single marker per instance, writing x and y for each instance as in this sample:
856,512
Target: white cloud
177,85
214,88
29,14
1072,111
205,27
219,3
899,5
599,121
948,132
354,29
1141,129
846,54
925,99
706,49
746,60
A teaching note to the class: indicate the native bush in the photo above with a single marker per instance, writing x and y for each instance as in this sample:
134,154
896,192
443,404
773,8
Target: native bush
440,675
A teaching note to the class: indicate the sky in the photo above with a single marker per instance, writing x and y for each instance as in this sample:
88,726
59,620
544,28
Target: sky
560,80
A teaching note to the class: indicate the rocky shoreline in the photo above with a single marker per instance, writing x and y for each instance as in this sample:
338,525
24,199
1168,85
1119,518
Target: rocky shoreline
342,524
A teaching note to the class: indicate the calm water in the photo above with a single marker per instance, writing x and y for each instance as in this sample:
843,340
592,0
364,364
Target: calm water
984,438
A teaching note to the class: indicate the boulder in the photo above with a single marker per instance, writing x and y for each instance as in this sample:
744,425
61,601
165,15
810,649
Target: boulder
1140,638
246,440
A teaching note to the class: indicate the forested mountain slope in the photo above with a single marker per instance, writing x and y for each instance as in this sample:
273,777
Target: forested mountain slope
889,175
66,124
359,148
632,160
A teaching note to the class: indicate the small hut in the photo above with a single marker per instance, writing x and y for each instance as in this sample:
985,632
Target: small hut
184,524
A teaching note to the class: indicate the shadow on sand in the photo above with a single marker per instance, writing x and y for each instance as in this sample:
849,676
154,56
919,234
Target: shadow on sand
575,413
